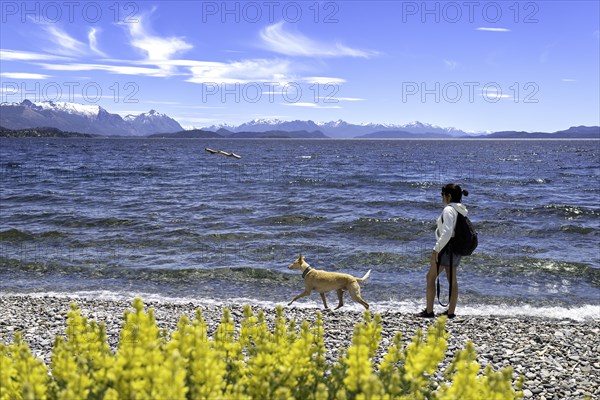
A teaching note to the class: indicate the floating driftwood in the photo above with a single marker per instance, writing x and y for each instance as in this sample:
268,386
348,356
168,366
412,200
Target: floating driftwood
223,153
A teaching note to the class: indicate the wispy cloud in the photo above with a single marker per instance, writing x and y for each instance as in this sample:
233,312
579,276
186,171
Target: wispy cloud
309,105
113,69
493,29
17,55
568,80
492,93
23,75
155,47
323,80
67,45
161,57
64,43
93,42
245,71
277,39
545,53
451,65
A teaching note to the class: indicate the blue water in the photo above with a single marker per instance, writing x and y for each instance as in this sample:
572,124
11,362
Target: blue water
166,218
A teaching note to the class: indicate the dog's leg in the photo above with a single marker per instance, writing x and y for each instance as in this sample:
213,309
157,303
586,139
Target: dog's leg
355,294
324,300
340,293
303,294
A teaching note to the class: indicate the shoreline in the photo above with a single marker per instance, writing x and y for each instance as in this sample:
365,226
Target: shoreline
555,356
585,312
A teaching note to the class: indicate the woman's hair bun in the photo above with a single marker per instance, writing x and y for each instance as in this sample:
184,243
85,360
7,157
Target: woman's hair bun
465,192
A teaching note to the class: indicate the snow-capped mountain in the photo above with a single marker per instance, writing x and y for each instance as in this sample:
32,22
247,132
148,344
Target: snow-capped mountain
61,106
339,128
267,124
82,118
152,122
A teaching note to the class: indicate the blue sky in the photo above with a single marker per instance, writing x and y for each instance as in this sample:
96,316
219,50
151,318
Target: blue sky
477,66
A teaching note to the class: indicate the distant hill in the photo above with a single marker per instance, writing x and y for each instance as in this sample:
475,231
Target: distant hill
574,132
336,129
278,134
224,133
41,133
403,135
191,134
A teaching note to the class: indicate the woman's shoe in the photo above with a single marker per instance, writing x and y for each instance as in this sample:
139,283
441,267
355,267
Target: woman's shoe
425,314
450,316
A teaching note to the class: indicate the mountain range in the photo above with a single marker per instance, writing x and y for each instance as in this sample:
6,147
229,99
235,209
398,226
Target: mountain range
224,133
20,118
90,119
341,129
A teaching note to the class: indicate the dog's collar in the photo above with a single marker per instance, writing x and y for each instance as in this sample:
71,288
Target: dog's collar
306,271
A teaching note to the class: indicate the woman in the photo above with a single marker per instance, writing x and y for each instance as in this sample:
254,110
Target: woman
452,196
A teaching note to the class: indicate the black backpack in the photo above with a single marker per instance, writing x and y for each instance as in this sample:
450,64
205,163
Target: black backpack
463,243
465,240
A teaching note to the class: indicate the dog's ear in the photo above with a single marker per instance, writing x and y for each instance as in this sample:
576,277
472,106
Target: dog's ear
301,258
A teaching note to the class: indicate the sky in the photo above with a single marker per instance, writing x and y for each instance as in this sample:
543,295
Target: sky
476,66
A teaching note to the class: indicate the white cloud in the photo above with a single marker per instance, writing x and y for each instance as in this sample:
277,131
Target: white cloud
301,104
545,53
349,99
155,47
24,75
16,55
568,80
309,105
492,93
451,65
323,80
245,71
159,61
493,29
113,69
65,43
276,39
93,42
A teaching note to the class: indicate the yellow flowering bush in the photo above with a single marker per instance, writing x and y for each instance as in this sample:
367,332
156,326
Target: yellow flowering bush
249,361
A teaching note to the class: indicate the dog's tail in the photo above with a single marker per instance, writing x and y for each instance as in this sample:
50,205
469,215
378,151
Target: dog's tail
364,278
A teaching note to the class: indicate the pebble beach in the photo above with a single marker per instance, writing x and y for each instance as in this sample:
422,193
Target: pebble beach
557,357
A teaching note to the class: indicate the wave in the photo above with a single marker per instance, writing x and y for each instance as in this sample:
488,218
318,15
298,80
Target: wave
568,210
400,229
578,229
514,263
157,275
17,235
102,222
293,219
580,313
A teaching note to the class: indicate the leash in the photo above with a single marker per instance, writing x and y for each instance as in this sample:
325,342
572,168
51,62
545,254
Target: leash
449,277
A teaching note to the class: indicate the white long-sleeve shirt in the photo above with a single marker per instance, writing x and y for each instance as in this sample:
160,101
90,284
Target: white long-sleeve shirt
445,230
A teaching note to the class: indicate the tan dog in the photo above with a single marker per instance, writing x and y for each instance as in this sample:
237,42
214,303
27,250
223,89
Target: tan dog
323,282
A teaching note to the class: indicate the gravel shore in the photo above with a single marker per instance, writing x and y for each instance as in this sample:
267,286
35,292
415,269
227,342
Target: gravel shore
558,358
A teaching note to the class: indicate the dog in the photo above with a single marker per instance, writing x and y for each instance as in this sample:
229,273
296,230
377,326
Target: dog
323,282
